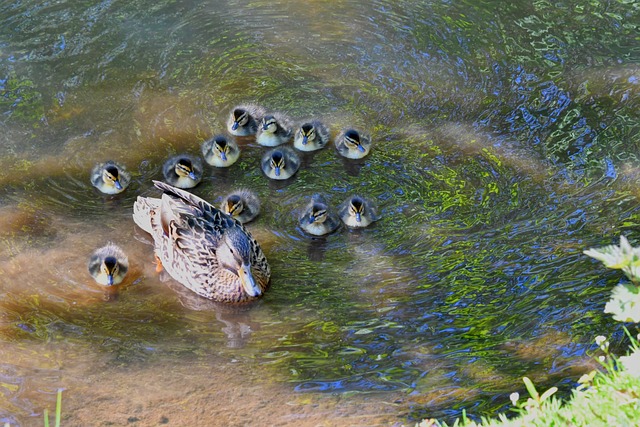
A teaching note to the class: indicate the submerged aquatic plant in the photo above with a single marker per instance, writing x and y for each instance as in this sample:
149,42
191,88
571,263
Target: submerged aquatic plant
58,411
624,304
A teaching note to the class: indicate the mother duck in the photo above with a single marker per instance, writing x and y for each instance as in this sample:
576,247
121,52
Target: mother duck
203,248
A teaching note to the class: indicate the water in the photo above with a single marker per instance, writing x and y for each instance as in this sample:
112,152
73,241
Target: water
505,140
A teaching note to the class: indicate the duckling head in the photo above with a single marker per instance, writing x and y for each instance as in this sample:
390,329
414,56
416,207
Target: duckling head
240,118
111,176
233,205
277,162
184,168
308,133
234,255
318,213
108,265
220,147
352,140
356,208
269,124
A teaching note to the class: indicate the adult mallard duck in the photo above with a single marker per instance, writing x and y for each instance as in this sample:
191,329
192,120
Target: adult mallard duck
203,248
280,163
316,219
220,151
108,265
244,119
311,136
183,171
357,212
110,177
242,204
275,129
353,144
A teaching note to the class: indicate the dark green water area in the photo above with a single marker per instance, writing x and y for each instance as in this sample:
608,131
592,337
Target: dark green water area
505,142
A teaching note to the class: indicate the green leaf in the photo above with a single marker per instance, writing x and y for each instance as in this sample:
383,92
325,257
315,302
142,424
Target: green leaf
531,388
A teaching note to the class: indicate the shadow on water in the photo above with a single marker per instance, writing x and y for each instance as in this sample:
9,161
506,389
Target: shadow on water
502,147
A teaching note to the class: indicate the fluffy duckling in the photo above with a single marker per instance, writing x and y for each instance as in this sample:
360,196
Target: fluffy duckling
357,212
244,120
242,204
352,144
316,219
183,171
108,265
220,151
311,136
110,177
274,130
280,163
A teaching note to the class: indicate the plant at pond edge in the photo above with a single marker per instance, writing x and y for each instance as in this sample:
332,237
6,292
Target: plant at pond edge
625,298
58,411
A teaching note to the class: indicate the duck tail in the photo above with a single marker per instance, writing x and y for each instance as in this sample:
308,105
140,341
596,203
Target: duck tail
143,211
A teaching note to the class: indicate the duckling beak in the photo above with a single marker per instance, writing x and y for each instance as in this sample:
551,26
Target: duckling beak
117,184
277,171
305,139
223,156
234,126
360,148
192,175
358,217
110,279
248,282
265,126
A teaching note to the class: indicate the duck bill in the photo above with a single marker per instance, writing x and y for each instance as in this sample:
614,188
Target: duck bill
192,176
223,156
110,279
305,139
360,148
234,126
248,282
358,217
117,184
277,171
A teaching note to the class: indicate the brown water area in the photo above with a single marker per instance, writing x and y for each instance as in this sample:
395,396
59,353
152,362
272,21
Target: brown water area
504,144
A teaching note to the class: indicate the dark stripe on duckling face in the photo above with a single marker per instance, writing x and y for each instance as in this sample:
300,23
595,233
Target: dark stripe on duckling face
111,175
234,205
269,123
318,214
110,269
240,118
221,147
356,208
184,168
352,140
277,162
308,133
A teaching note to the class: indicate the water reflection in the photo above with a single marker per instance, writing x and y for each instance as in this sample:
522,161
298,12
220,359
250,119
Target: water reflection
501,145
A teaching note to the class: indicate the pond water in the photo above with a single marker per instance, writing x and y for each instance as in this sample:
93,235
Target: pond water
505,141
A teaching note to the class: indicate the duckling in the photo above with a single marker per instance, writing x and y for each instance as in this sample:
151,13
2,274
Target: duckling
108,265
357,212
316,219
352,144
244,120
311,136
110,177
280,163
242,204
220,151
183,171
274,130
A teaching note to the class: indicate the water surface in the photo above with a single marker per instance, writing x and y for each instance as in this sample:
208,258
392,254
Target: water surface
505,141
